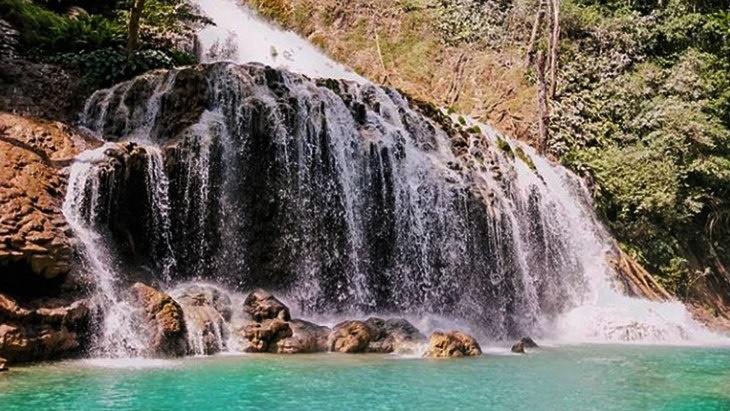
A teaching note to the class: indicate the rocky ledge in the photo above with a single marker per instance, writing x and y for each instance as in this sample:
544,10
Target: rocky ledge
35,248
201,320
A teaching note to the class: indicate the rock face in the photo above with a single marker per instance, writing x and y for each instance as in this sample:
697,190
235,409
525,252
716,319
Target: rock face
44,330
35,250
261,305
165,321
36,89
374,335
452,344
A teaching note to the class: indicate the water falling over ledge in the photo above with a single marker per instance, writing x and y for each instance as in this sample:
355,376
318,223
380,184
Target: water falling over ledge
349,200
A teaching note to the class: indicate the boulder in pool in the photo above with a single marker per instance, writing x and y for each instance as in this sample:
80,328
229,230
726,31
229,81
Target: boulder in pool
374,335
165,321
264,336
526,342
307,337
261,305
452,344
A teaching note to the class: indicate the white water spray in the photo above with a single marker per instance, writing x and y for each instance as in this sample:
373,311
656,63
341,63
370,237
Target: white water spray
241,36
119,334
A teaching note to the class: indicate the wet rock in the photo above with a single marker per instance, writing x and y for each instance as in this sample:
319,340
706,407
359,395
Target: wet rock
44,329
207,310
35,249
3,364
306,337
264,336
261,305
374,335
452,344
350,337
165,320
526,342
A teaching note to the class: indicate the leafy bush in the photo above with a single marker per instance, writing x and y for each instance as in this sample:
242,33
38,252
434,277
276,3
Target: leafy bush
43,31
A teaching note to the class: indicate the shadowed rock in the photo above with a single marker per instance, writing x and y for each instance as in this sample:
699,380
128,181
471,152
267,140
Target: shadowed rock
44,330
261,305
452,344
526,342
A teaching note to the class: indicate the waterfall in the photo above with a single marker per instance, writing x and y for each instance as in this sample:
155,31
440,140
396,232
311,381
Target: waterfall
342,196
99,188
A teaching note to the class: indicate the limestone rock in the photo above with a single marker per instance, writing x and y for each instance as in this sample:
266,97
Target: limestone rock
374,335
165,320
452,344
306,337
35,250
261,305
264,336
45,329
350,337
207,311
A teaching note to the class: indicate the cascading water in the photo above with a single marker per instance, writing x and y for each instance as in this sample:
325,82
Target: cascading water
98,187
347,199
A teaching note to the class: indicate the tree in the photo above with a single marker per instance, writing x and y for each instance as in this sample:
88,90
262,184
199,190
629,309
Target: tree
135,15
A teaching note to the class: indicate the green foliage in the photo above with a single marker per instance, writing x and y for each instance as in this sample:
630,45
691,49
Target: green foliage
93,44
464,21
43,31
643,107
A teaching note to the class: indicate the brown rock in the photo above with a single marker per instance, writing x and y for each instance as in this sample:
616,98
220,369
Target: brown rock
396,334
374,335
350,337
526,342
452,344
207,310
165,320
264,336
306,337
36,250
49,329
261,305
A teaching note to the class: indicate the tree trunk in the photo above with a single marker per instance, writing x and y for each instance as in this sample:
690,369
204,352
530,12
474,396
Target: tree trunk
133,28
554,47
532,46
542,107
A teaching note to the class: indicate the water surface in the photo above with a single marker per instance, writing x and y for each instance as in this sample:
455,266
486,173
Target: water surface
589,377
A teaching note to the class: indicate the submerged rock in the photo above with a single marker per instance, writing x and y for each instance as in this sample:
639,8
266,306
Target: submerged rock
526,342
165,320
452,344
374,335
261,305
45,329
